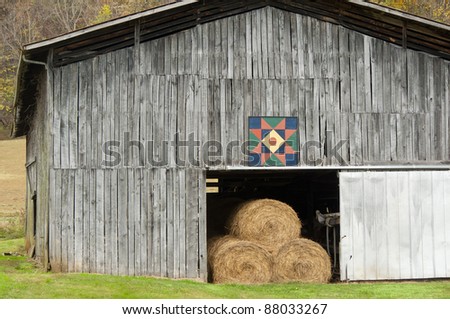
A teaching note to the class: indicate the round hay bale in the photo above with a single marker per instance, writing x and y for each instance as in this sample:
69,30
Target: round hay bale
232,260
268,222
302,260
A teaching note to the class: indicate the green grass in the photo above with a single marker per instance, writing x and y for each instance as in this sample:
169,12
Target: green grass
12,225
19,278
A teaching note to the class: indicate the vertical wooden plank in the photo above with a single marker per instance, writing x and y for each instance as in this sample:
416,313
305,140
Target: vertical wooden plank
148,186
123,89
282,35
302,122
248,45
92,222
376,73
404,231
442,233
182,222
271,57
355,183
255,41
295,45
99,222
369,225
131,223
276,43
170,223
223,40
176,222
264,46
58,106
57,262
317,40
241,48
204,70
114,222
172,60
361,73
163,221
413,90
73,115
111,211
78,216
156,233
123,222
385,120
210,37
427,217
53,213
202,239
70,219
345,244
192,230
392,221
415,215
86,221
440,184
99,97
353,68
108,218
344,69
387,72
220,49
356,151
311,120
137,190
382,226
64,116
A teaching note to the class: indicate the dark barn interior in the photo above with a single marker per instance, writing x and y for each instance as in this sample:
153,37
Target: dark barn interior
306,191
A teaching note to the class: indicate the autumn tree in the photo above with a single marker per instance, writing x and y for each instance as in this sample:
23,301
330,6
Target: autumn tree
438,10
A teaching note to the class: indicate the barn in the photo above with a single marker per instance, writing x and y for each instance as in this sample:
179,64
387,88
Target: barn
137,127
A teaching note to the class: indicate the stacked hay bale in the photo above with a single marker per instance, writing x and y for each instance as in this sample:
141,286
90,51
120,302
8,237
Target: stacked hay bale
264,244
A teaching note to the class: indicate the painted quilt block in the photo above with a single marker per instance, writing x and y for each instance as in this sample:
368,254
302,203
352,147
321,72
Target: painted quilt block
273,141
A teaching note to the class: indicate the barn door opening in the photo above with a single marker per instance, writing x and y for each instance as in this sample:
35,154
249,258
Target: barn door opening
313,194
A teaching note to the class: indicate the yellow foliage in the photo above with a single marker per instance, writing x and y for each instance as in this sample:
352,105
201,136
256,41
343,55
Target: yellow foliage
104,14
438,10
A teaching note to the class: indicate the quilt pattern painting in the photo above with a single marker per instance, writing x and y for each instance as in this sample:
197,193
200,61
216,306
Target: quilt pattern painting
273,141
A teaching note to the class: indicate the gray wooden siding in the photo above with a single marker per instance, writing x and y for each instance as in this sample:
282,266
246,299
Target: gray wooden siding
129,222
395,225
391,104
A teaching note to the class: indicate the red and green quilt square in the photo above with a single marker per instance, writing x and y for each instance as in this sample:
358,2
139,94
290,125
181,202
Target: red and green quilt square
273,141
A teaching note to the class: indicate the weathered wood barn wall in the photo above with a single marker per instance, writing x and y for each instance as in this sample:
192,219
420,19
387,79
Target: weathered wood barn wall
390,104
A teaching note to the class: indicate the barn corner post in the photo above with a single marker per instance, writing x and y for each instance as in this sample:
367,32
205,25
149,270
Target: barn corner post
49,158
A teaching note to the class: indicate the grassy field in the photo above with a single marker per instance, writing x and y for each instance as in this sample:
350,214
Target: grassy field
12,188
21,278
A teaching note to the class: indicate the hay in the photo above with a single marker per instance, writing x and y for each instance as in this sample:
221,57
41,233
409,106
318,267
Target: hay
268,222
231,260
302,260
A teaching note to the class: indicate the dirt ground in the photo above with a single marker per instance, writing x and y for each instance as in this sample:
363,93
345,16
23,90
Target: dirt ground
12,176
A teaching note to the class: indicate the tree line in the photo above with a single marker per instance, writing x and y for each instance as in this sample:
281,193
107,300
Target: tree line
27,21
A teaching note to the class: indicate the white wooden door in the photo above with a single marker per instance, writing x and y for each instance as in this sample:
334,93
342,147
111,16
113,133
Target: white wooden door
395,225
